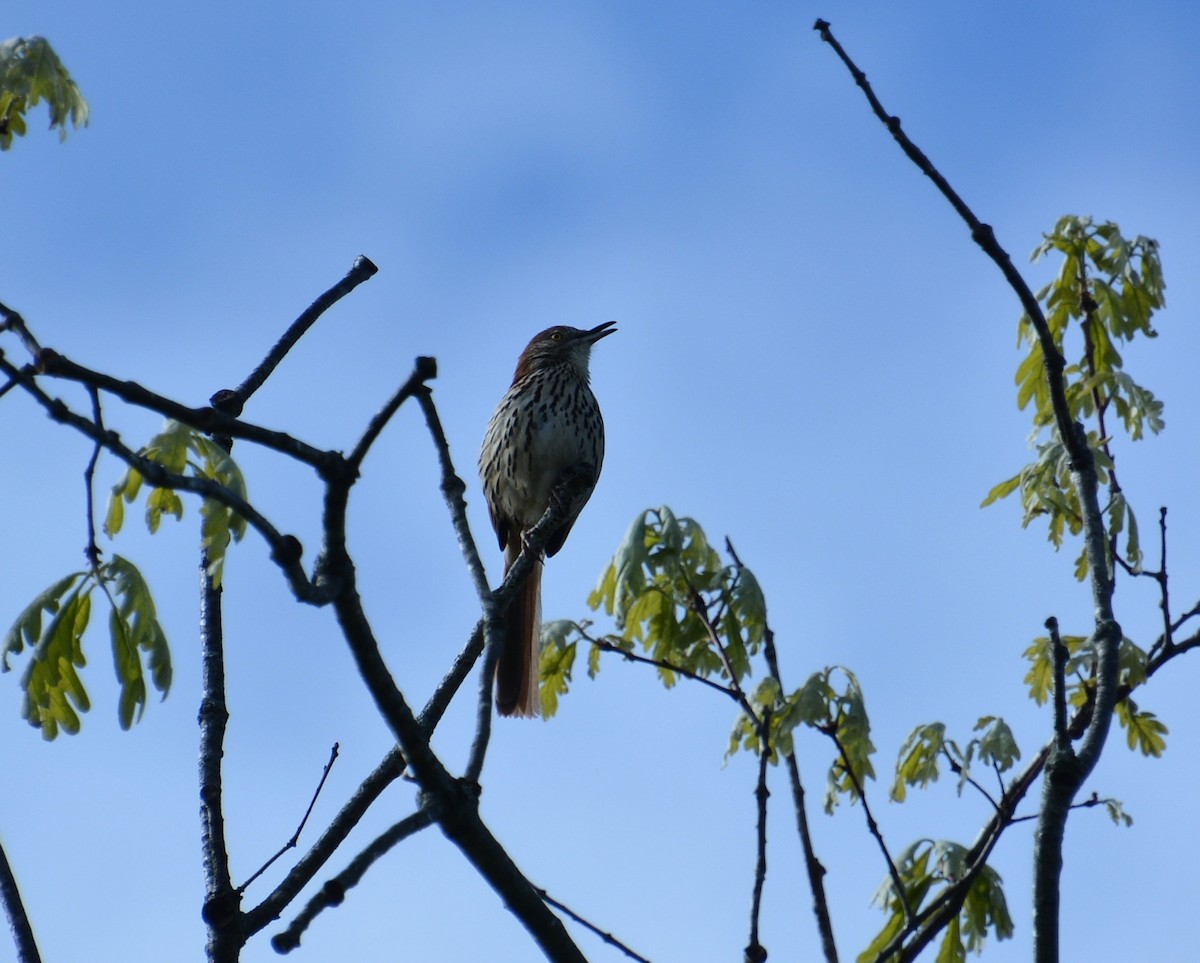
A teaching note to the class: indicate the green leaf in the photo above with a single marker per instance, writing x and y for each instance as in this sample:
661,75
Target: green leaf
556,662
997,747
27,629
1107,288
1143,730
918,761
1116,812
952,949
1002,490
53,692
31,72
171,448
136,635
985,908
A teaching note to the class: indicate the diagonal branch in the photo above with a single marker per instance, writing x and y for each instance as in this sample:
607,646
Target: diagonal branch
295,837
14,909
592,927
361,270
1066,769
210,420
334,890
283,548
424,370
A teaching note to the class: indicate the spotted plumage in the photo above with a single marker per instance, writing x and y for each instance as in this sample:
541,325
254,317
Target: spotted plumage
547,426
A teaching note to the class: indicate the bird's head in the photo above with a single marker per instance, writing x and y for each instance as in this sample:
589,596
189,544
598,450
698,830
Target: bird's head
562,343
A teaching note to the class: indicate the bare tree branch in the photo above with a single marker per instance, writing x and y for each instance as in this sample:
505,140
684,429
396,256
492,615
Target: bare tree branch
208,419
295,837
334,891
603,934
222,903
361,270
815,870
14,909
755,952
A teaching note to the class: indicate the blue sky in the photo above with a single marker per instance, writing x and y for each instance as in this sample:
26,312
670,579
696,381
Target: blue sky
813,359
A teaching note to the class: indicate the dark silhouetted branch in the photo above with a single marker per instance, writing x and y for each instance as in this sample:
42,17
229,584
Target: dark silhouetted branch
14,909
295,837
604,935
334,891
755,952
361,270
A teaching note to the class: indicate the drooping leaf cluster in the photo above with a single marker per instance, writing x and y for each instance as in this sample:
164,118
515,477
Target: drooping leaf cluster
925,864
171,448
31,72
1105,294
54,694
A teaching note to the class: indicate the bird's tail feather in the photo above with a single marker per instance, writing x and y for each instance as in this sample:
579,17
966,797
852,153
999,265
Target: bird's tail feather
517,677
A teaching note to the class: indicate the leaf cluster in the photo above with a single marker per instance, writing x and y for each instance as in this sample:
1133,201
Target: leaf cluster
927,749
1105,294
31,72
174,448
1144,731
838,711
676,606
671,596
54,694
924,865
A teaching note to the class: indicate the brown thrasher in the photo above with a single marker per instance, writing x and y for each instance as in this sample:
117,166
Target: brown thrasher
547,429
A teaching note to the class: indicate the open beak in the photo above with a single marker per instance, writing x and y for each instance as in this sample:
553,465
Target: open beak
598,332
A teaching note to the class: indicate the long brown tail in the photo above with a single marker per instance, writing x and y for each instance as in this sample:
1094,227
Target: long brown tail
517,671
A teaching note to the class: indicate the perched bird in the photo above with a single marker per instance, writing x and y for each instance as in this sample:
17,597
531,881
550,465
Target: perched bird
547,428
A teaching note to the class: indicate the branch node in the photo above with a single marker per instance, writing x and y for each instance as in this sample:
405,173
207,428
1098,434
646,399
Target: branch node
228,402
426,368
288,551
46,360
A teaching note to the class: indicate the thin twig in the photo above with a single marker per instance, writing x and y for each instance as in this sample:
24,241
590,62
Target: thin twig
1059,656
603,934
1161,577
453,488
360,271
701,609
533,544
424,370
815,870
92,550
209,419
295,837
389,769
957,768
1091,802
605,646
872,826
755,952
15,323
